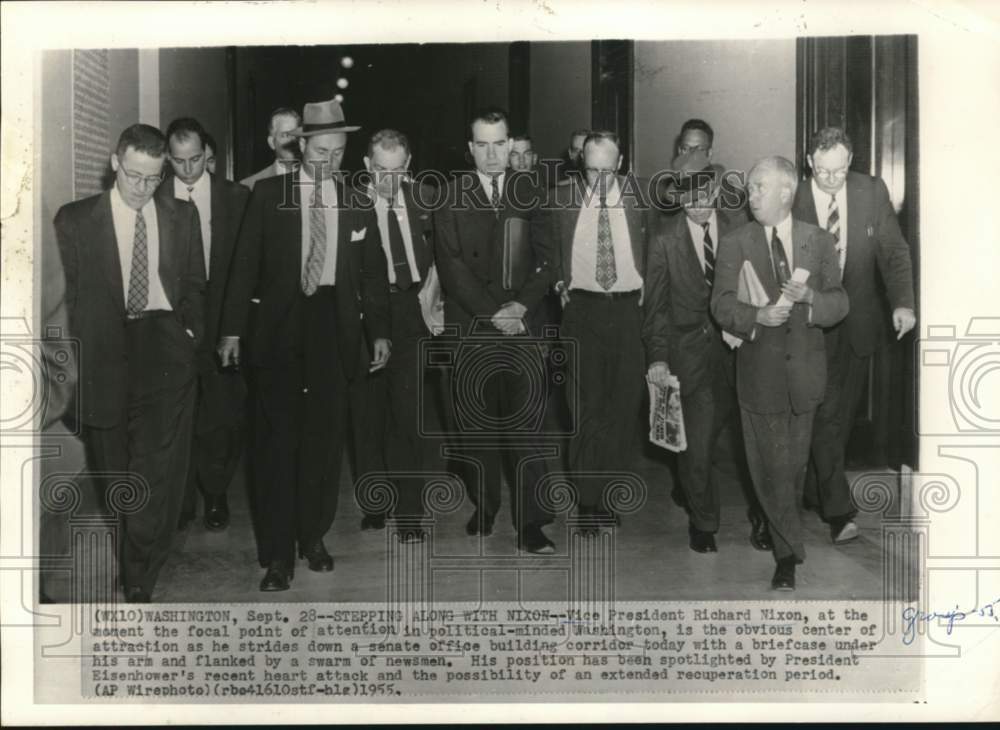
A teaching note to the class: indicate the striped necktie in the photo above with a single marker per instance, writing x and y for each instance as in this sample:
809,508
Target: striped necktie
709,255
317,242
833,226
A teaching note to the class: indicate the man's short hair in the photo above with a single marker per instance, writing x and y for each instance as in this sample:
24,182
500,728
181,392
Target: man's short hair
780,165
186,127
700,125
489,115
388,139
282,111
578,133
142,138
210,142
829,137
603,135
521,138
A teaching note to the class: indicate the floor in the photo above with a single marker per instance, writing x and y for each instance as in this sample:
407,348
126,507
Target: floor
646,558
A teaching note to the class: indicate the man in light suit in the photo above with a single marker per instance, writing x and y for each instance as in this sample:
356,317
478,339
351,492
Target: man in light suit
309,251
678,329
856,210
387,422
219,411
280,125
135,286
470,228
596,231
781,364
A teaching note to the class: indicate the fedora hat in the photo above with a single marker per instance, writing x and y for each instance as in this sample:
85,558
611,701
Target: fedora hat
322,117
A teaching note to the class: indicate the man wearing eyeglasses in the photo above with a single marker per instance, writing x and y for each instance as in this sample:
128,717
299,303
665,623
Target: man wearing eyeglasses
135,283
697,135
856,209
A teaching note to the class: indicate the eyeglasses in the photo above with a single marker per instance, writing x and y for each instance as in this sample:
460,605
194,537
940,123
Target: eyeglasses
831,174
137,180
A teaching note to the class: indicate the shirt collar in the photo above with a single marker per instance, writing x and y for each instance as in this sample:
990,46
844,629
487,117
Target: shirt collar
613,197
824,197
712,221
118,203
784,230
379,200
201,185
281,167
487,180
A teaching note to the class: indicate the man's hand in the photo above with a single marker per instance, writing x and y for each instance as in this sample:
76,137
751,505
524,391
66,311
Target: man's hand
658,374
508,318
797,291
903,319
381,354
229,351
773,315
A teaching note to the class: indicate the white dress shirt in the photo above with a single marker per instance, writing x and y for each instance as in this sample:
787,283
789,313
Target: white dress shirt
487,182
329,275
822,201
698,237
201,195
584,265
124,223
382,213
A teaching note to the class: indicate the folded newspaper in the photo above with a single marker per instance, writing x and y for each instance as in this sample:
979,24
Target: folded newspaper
666,421
749,290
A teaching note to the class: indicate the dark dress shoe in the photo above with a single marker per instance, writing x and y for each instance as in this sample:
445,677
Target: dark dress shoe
532,540
701,541
784,575
320,561
480,523
373,522
185,519
760,534
278,576
216,512
137,594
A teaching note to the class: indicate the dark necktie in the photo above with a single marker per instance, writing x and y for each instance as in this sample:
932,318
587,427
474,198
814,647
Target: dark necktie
778,259
138,280
495,194
833,226
400,264
606,274
709,255
317,242
190,193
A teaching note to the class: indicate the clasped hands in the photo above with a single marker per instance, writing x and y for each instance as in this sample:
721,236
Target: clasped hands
774,315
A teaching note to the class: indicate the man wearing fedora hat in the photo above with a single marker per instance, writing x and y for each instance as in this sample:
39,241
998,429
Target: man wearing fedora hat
679,330
309,254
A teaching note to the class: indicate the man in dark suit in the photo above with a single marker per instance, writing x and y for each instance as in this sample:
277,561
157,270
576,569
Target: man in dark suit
482,210
309,252
280,125
781,364
856,210
218,427
678,329
597,232
390,419
135,283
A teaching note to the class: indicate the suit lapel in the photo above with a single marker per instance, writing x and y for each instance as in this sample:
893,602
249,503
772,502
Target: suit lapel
289,210
688,258
857,221
805,203
801,241
570,216
760,257
107,249
218,257
165,211
413,213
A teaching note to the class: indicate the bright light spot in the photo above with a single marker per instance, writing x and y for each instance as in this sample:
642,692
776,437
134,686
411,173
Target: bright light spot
339,98
341,83
347,62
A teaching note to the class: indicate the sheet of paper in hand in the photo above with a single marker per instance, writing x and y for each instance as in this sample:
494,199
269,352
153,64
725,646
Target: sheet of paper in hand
666,421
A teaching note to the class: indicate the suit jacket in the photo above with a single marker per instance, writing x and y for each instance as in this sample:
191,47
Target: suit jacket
556,223
875,249
784,366
95,294
469,248
677,324
268,267
418,202
229,202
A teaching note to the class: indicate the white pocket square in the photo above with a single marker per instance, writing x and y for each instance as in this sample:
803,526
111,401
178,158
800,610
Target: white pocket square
358,235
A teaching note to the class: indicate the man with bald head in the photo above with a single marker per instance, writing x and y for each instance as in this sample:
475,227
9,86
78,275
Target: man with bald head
781,364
